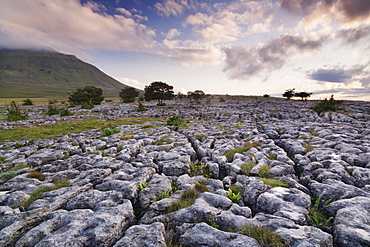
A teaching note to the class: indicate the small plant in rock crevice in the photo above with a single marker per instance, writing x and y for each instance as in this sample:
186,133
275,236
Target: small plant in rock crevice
235,198
37,175
264,236
229,154
108,132
275,182
247,167
142,186
175,120
317,215
188,197
37,193
199,169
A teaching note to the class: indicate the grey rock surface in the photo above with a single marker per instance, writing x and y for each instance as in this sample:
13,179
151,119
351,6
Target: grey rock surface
152,184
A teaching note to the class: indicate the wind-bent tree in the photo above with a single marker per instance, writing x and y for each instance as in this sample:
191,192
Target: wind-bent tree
128,94
197,94
303,95
89,95
289,93
158,90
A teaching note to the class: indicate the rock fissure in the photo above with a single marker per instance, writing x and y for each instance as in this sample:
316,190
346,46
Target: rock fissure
124,184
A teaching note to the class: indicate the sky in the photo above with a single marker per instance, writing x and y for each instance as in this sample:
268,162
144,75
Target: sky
236,47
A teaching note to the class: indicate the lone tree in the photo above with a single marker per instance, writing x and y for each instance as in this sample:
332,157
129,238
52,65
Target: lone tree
289,93
158,90
303,95
197,94
89,94
128,94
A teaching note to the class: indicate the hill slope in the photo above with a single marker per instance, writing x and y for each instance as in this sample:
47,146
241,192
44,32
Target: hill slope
25,73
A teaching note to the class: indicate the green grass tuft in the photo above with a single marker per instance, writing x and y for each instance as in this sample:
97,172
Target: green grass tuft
37,175
246,146
265,237
275,183
109,132
37,193
264,171
247,167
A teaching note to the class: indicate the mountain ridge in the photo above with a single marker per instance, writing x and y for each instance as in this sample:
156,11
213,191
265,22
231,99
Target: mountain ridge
30,73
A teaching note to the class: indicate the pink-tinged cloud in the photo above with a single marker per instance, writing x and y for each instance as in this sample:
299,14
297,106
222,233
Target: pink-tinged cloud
69,26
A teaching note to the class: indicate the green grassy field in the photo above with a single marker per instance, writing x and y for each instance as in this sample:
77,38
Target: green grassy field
63,128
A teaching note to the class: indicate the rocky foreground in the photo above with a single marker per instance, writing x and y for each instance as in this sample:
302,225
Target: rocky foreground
131,188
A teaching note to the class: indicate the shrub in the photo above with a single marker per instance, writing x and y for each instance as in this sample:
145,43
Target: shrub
275,183
265,237
108,132
37,175
175,120
141,107
128,94
264,171
27,102
87,105
328,105
65,113
15,113
52,110
89,94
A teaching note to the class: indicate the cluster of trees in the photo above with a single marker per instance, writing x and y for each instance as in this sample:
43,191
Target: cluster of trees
290,93
157,90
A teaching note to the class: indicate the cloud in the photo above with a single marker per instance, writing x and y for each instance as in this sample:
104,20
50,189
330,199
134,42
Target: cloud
298,6
352,35
131,82
229,21
172,33
244,62
356,73
71,27
322,12
191,53
174,7
330,75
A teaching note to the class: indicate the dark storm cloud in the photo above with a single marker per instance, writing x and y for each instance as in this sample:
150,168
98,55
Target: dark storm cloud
354,9
330,75
243,62
350,10
341,75
298,6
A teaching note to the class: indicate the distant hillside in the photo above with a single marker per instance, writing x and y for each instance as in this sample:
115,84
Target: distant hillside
38,74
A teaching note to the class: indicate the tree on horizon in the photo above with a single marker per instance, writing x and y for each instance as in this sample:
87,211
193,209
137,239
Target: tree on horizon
158,90
128,94
289,93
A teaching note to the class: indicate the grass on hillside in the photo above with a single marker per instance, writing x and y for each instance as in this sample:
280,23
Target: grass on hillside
53,130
